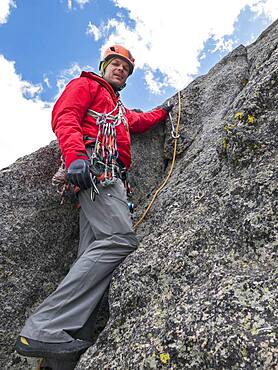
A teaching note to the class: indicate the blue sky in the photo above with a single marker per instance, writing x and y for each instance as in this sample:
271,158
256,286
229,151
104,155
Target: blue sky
44,44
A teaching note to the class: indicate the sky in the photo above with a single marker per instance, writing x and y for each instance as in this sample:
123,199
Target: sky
46,43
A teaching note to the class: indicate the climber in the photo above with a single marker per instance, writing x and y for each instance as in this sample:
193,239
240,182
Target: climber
93,129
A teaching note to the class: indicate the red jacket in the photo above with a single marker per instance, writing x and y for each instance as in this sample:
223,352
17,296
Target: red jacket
70,120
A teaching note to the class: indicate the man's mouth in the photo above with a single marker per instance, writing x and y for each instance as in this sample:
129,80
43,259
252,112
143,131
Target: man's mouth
118,76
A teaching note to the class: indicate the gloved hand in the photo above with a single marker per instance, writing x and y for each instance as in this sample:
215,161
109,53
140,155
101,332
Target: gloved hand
137,110
167,107
79,174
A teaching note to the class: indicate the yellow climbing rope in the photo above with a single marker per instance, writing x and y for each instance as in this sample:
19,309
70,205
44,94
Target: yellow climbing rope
175,137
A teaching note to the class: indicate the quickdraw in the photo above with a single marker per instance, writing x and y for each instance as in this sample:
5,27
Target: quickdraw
104,153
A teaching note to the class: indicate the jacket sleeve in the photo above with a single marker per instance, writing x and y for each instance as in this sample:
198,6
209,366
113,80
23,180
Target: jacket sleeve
141,122
67,116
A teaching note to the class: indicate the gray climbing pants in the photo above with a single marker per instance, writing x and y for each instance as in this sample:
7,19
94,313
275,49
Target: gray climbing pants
106,239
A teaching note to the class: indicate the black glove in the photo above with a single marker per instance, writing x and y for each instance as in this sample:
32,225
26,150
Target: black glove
167,107
137,110
79,174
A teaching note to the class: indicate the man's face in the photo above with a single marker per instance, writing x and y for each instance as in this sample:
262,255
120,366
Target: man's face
117,72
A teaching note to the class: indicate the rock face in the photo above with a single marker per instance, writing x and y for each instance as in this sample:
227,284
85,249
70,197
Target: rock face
201,290
38,241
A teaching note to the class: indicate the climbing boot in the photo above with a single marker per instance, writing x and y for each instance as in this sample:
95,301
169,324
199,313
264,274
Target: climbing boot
61,351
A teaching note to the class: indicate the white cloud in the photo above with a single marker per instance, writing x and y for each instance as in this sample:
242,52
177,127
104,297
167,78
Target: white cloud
94,31
81,3
26,119
25,123
29,90
203,56
170,37
67,75
5,8
47,82
154,85
267,7
224,45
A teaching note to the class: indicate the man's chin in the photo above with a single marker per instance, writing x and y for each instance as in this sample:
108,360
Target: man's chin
116,85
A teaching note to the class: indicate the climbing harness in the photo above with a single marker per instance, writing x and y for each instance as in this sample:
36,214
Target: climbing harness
175,135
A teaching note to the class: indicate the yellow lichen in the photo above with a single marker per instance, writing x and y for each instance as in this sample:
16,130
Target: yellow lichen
250,119
244,352
254,331
228,128
225,143
164,357
239,116
244,81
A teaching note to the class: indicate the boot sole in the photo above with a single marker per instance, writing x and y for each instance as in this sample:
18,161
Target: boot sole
70,356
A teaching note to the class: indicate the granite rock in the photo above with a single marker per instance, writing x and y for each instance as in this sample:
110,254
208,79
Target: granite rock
201,290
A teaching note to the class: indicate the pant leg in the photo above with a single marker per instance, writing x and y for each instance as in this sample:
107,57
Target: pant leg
70,306
89,332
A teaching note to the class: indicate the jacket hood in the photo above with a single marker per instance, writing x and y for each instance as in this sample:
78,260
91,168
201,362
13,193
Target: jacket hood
102,82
